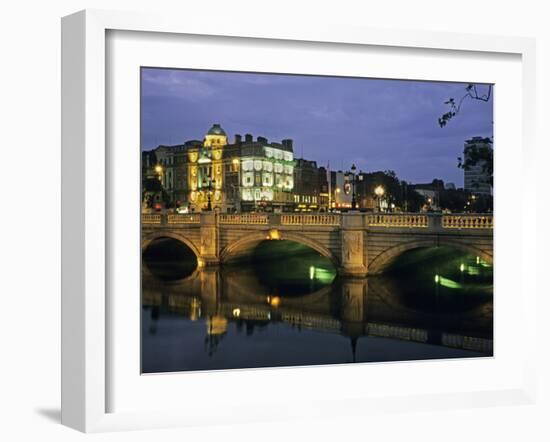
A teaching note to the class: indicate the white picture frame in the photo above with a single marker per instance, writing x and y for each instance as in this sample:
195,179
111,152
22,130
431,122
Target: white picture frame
85,217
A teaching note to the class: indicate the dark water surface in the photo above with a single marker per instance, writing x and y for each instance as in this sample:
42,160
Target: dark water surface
284,306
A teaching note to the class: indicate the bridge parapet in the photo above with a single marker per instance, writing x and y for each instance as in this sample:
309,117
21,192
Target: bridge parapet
467,221
320,219
388,220
243,218
151,218
181,218
397,220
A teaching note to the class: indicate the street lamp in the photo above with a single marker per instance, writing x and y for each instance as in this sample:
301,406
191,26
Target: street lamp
379,192
208,182
353,200
158,170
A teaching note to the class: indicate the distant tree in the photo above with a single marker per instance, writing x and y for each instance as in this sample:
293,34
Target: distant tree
412,200
482,204
483,156
453,199
396,191
390,174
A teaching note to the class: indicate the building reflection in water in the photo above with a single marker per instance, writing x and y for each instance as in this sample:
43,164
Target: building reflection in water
241,323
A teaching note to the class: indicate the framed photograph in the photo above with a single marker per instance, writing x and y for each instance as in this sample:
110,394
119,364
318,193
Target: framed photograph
275,222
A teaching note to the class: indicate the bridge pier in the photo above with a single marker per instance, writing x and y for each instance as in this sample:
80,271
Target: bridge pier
353,235
209,250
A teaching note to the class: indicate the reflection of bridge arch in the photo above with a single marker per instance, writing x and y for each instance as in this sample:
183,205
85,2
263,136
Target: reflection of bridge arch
172,234
251,239
378,264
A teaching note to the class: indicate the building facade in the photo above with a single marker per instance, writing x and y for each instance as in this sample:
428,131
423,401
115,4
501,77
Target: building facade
267,175
341,187
311,187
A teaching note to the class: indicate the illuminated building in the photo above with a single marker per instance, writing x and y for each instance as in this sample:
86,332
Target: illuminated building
205,170
267,174
246,175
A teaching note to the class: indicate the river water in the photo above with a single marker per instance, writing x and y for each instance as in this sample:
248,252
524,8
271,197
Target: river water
285,306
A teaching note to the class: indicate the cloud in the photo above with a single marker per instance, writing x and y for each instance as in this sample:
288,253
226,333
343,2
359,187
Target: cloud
327,113
172,83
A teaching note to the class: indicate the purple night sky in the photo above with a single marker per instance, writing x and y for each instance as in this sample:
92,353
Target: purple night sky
376,124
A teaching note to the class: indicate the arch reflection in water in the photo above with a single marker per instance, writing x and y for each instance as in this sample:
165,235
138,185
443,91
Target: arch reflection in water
246,316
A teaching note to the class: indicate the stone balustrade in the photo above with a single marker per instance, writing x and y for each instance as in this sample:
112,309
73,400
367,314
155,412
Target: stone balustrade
243,218
151,218
467,221
183,218
310,220
397,220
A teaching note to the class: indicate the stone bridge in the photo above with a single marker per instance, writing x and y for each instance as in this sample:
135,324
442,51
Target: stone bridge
357,243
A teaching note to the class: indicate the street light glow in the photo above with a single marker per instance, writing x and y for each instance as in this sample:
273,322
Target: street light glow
379,191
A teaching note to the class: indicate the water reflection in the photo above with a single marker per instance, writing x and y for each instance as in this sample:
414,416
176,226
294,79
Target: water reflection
244,316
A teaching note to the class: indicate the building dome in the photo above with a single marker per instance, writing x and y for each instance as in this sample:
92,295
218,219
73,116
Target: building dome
216,129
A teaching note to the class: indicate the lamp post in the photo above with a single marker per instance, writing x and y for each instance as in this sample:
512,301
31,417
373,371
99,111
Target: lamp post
211,182
379,192
238,196
337,197
207,182
353,200
159,171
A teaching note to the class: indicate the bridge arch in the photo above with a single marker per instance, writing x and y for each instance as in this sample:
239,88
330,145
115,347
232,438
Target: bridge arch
150,237
250,240
384,259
